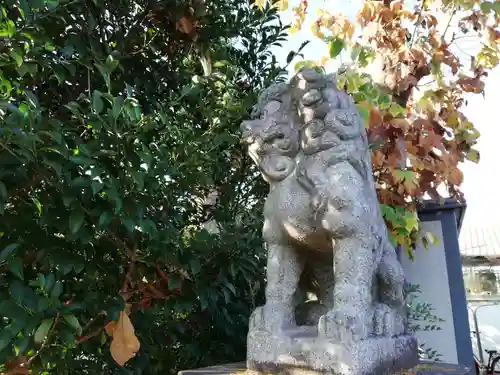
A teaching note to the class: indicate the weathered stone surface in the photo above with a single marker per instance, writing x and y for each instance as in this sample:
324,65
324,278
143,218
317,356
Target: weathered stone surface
423,368
325,236
373,356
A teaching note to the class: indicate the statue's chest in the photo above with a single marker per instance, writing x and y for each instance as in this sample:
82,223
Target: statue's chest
287,209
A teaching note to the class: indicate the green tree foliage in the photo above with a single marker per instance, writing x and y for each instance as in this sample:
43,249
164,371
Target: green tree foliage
118,121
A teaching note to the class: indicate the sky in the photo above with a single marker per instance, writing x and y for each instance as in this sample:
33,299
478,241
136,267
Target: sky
480,180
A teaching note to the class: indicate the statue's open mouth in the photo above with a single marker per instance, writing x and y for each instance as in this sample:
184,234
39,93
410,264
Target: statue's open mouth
254,149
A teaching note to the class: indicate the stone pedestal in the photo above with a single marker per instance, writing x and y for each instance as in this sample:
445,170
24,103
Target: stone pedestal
373,356
423,368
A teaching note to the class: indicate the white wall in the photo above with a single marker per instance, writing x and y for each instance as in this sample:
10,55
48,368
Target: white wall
429,270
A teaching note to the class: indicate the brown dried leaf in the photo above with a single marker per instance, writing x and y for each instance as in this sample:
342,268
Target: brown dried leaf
493,36
406,14
369,12
18,366
184,25
400,123
430,20
386,15
125,344
375,117
471,84
455,176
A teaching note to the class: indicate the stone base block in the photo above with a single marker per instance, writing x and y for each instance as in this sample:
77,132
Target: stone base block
374,356
423,368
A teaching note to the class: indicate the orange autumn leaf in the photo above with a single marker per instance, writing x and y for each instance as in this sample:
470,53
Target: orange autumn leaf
110,328
375,117
455,176
125,344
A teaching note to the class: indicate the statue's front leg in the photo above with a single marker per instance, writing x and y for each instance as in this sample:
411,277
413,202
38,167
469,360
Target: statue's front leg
284,267
351,317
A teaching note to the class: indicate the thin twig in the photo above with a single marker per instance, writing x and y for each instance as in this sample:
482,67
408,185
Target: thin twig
89,336
449,23
416,25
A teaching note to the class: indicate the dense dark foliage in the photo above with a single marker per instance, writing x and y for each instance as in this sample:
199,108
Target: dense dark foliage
118,122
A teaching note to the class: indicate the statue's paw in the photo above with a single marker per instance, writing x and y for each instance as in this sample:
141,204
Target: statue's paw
387,321
343,325
271,318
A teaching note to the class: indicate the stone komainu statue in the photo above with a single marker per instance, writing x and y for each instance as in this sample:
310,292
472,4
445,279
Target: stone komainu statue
325,234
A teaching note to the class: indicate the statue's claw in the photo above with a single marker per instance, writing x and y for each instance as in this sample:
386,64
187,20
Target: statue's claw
271,318
343,325
387,321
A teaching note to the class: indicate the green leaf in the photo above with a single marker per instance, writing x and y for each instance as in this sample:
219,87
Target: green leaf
473,156
21,345
16,267
111,63
32,99
174,283
195,266
76,220
56,290
5,335
17,291
432,239
336,46
487,7
7,251
128,223
38,206
10,309
105,74
42,304
96,186
3,191
43,330
138,177
105,219
66,336
396,110
305,64
73,323
59,73
7,29
117,106
364,113
97,103
103,338
50,281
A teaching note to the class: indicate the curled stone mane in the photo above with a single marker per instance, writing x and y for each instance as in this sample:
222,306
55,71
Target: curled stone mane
274,133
